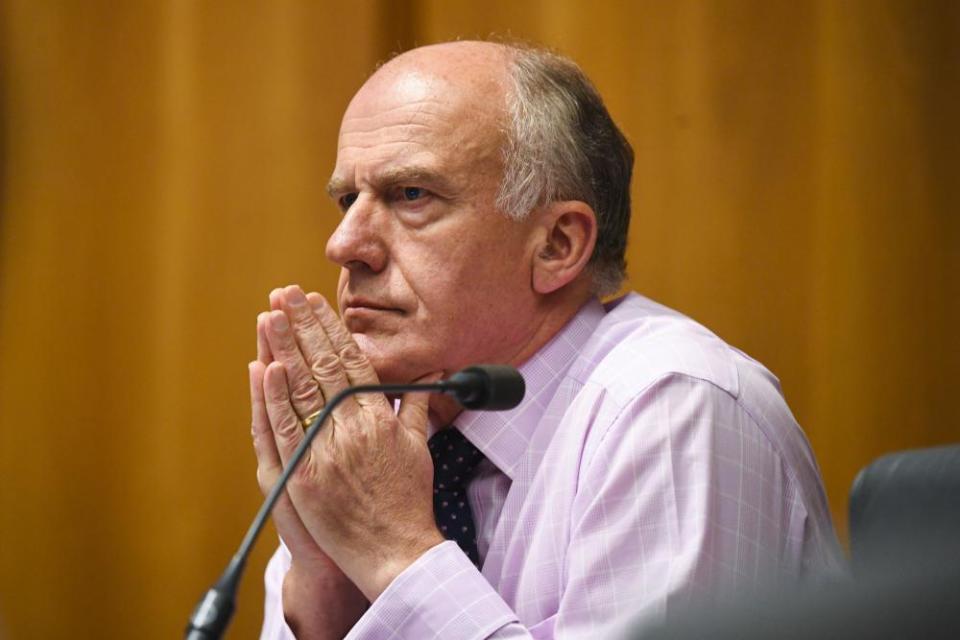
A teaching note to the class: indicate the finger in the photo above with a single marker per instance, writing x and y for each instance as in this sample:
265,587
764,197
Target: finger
264,444
275,296
288,523
414,407
315,346
284,422
355,364
264,354
304,391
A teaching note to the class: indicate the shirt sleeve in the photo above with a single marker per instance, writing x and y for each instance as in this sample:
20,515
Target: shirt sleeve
441,595
274,624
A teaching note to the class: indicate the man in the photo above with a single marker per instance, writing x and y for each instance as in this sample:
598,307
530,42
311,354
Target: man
485,200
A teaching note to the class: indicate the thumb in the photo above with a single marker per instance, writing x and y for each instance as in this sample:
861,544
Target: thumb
414,406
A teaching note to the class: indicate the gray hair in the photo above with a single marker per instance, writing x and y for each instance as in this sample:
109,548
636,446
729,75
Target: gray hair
562,144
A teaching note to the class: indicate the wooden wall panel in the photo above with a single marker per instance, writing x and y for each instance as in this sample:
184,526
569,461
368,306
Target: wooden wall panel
162,167
165,166
885,270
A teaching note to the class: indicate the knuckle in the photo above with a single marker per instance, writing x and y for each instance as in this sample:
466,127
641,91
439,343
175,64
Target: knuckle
304,391
339,334
326,367
275,394
351,355
368,401
287,429
302,319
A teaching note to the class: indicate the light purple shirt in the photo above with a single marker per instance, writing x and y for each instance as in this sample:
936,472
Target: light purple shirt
649,462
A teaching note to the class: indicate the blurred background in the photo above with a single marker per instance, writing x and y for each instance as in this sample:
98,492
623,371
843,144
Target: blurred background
162,167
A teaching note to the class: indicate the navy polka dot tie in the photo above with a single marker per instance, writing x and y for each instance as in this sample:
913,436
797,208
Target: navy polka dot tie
454,462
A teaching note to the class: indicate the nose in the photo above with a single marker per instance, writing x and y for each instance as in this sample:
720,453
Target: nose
358,241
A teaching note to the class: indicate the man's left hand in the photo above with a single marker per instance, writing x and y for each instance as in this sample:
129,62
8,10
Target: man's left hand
364,489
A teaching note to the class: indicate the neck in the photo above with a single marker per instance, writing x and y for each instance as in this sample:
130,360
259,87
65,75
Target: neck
553,315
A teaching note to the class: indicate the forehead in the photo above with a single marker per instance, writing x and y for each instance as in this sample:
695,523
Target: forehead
422,119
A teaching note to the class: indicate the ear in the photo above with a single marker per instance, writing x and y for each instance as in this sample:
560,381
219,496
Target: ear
568,233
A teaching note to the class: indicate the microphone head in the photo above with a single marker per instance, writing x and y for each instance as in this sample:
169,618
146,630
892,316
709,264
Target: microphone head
490,387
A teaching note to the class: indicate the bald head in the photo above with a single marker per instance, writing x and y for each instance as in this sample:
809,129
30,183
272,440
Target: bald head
464,82
483,65
477,71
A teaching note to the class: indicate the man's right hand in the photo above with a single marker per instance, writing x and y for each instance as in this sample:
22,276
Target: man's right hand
319,601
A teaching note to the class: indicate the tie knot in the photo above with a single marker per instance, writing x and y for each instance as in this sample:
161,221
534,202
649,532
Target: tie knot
454,458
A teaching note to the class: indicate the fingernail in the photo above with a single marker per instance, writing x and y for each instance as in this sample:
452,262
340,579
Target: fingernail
295,297
279,321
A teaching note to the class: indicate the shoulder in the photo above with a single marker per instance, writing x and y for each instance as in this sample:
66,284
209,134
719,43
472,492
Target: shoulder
640,342
649,365
661,406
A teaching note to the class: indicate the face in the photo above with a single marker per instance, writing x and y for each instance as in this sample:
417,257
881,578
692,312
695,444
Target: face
433,277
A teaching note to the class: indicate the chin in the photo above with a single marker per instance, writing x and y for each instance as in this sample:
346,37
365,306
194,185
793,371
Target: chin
393,366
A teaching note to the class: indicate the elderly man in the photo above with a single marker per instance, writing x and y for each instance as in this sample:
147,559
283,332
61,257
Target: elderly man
484,193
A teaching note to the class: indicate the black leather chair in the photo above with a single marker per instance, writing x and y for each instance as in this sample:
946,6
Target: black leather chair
903,505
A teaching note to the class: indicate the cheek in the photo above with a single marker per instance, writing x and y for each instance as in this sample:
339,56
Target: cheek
476,302
472,288
429,270
442,292
439,284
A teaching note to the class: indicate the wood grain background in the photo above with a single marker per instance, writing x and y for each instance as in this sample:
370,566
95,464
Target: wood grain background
163,164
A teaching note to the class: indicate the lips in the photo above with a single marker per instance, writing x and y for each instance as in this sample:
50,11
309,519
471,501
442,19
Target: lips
367,305
364,316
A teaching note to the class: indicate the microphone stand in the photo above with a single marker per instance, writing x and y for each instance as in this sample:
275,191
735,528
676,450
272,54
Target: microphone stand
492,387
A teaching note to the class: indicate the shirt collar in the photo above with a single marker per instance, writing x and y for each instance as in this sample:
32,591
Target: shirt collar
503,436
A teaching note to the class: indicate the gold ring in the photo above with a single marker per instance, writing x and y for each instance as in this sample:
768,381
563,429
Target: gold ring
306,422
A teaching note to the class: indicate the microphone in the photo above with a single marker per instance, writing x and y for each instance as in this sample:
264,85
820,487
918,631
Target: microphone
488,387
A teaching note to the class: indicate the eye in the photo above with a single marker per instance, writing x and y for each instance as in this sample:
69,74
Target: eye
347,200
413,193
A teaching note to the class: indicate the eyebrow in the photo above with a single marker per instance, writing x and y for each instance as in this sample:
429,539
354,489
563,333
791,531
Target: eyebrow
409,175
336,186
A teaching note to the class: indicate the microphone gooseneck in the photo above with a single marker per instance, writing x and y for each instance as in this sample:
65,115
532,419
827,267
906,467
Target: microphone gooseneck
484,387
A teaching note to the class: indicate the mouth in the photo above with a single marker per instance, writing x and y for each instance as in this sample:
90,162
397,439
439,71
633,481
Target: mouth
360,306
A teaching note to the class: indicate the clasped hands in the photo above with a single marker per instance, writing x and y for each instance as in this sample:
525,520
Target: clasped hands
358,510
